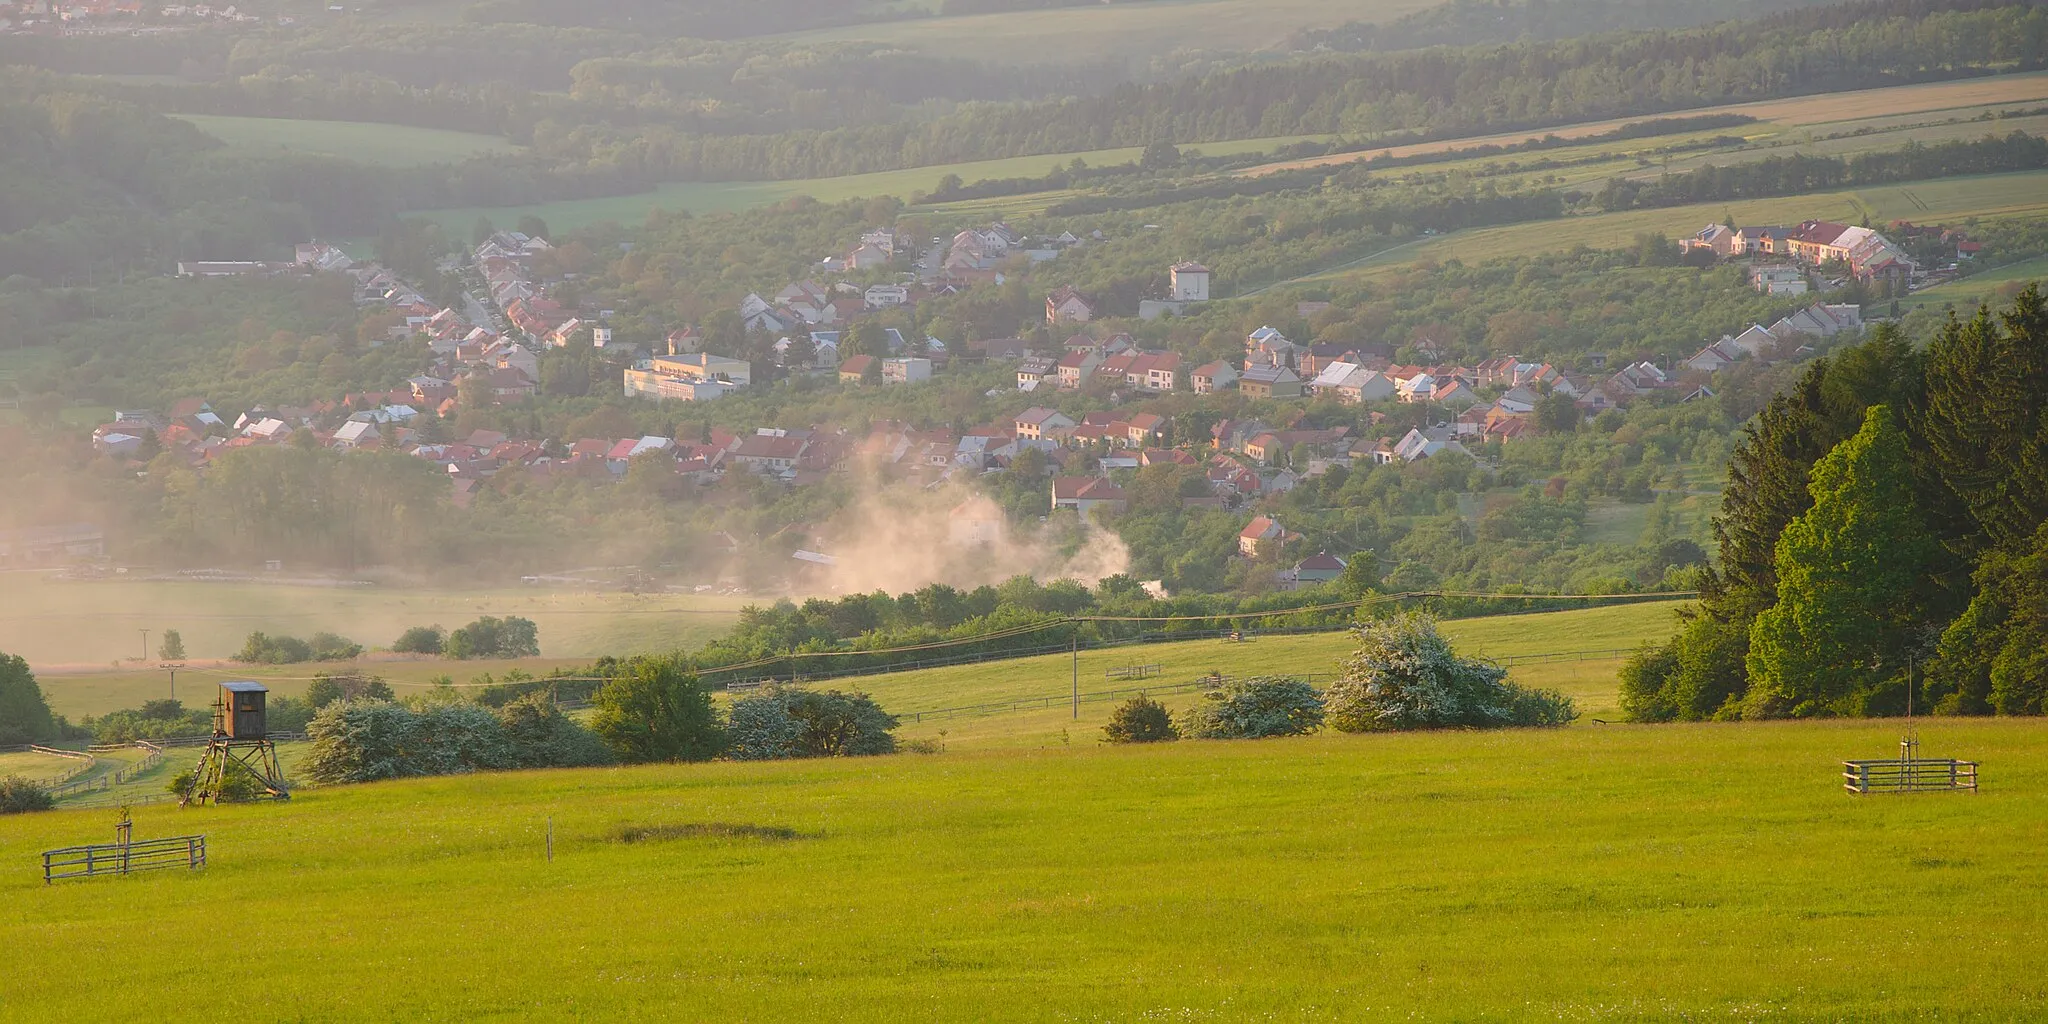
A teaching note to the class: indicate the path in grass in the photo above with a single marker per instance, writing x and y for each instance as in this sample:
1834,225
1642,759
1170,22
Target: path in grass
1604,873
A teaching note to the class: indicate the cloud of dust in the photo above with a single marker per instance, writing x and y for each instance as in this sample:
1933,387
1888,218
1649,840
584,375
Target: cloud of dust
900,539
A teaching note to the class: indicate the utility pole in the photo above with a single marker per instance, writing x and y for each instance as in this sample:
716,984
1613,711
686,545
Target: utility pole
145,645
174,680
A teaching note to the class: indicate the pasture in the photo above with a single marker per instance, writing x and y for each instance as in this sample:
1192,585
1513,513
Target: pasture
388,145
1653,873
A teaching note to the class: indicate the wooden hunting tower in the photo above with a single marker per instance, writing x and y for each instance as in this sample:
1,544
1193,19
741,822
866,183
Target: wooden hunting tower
242,714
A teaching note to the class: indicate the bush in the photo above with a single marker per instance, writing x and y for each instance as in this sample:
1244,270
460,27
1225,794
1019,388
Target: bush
420,640
238,786
657,710
329,687
263,649
543,737
290,714
489,637
1140,720
1253,708
155,720
330,647
19,795
1405,676
778,723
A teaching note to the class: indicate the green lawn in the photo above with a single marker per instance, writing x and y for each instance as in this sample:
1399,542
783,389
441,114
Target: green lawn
1639,873
385,144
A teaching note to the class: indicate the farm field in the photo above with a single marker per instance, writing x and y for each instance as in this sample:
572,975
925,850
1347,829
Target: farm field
1656,873
1894,102
1125,31
736,196
53,623
388,145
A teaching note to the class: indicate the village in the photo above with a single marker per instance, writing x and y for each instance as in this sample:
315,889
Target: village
490,353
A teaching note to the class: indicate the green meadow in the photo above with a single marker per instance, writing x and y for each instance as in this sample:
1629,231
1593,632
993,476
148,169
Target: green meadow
1641,873
387,145
1966,292
736,196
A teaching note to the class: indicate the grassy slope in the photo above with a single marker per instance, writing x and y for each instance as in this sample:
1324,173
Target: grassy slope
1614,873
734,196
384,144
1122,31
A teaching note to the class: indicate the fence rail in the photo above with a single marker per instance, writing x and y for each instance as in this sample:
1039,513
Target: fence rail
1909,775
1062,700
124,858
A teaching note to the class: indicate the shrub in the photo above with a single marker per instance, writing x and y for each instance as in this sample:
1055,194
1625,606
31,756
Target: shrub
19,795
263,649
155,720
1405,676
238,785
779,723
420,640
1140,720
290,714
330,647
543,737
490,637
329,687
1253,708
657,710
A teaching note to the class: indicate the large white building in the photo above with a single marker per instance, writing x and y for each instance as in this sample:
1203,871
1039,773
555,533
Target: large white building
1190,282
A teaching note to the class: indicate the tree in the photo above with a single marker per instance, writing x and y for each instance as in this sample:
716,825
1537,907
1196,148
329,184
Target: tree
1987,416
656,710
867,338
780,723
1361,575
1848,571
420,640
172,647
1556,413
24,716
532,226
481,231
1159,155
1253,708
1140,720
1404,675
543,737
492,637
329,687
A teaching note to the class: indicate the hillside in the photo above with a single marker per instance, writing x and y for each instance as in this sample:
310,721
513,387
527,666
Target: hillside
1625,872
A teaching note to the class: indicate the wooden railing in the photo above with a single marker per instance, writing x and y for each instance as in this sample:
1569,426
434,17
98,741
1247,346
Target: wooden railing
124,858
1909,775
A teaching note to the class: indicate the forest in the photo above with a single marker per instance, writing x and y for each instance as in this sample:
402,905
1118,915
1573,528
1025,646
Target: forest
1882,536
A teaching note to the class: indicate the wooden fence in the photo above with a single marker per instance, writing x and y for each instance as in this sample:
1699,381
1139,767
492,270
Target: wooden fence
124,858
1909,775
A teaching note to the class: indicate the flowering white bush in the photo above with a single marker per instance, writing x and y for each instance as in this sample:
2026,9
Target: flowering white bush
1404,675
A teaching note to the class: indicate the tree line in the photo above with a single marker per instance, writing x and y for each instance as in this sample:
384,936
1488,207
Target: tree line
1801,173
1882,533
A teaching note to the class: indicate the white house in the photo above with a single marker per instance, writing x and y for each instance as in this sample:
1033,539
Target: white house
1190,282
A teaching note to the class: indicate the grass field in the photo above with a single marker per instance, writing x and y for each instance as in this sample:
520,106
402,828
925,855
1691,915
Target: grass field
735,196
384,144
1123,31
1776,116
1640,873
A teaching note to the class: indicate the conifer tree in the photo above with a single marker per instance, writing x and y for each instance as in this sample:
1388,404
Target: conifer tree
1847,573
